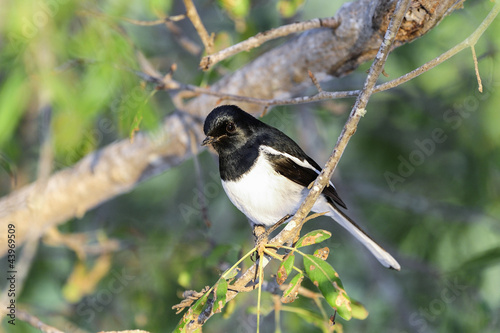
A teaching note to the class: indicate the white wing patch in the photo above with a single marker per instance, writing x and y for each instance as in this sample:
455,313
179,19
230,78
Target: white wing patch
302,163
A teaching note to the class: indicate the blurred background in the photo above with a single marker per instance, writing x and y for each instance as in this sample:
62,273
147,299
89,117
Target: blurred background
421,174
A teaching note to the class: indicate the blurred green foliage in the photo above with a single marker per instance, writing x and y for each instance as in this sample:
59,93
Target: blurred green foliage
440,217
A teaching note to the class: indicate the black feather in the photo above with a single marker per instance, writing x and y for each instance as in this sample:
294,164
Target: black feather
302,176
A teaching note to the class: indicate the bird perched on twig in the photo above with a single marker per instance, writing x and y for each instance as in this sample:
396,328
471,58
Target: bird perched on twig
265,174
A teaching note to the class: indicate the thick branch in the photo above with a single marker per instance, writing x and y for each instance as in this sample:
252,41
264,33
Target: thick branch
96,178
279,73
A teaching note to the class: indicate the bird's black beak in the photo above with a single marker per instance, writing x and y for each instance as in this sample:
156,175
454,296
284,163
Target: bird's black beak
208,140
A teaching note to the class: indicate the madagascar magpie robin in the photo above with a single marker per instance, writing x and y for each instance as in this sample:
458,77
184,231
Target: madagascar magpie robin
265,174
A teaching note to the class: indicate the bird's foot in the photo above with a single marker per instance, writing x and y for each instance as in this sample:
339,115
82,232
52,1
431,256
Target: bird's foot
261,239
261,234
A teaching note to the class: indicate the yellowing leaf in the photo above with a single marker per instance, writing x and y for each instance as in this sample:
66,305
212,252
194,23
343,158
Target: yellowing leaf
313,237
290,294
285,268
326,279
220,295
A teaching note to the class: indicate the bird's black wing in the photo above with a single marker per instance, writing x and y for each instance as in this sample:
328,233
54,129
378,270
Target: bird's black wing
289,160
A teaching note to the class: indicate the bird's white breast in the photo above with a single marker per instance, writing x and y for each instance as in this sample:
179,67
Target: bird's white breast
263,195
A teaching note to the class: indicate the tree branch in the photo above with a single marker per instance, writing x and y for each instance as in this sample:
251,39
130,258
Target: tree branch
192,14
262,37
279,73
35,322
293,227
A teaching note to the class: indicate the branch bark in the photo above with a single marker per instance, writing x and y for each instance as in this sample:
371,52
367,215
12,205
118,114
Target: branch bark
279,73
36,322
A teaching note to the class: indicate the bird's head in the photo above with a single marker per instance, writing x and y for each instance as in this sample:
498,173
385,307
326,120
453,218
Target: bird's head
228,128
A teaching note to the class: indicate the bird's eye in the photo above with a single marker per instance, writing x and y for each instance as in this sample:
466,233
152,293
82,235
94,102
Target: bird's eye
231,128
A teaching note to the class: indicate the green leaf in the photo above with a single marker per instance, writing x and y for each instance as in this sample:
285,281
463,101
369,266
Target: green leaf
285,268
290,294
358,310
220,295
480,261
13,100
238,9
327,280
313,237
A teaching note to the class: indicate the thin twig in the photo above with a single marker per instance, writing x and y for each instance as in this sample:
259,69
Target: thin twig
46,157
192,14
265,36
35,322
357,112
469,41
378,64
181,38
174,18
155,22
476,68
315,81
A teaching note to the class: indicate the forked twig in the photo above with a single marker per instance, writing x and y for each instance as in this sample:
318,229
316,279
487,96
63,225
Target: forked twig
192,14
265,36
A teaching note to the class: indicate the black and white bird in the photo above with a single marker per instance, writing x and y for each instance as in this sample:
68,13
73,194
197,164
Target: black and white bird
265,174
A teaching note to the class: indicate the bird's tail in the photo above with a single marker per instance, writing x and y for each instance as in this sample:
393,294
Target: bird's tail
382,255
